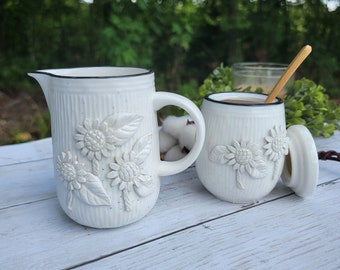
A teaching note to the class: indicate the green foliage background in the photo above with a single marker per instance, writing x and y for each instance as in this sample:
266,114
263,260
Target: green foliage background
306,103
183,41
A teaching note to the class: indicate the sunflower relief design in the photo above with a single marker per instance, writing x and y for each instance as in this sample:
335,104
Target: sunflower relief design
86,186
249,158
244,157
277,144
127,172
97,140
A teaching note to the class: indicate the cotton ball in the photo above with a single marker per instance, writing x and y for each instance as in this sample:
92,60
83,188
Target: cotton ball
187,136
175,153
166,141
173,125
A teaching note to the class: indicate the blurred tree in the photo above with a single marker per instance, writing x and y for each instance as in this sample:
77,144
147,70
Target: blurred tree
181,40
268,33
124,38
44,34
319,31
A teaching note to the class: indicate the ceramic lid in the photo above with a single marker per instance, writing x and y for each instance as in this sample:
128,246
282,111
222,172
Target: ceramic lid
301,168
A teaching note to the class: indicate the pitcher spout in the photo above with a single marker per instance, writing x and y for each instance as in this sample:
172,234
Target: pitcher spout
44,80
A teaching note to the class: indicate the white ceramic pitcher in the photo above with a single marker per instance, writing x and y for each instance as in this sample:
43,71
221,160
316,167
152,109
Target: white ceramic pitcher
105,141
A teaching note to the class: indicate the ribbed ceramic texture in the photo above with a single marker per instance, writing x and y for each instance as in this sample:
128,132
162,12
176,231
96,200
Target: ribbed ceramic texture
234,163
105,141
104,103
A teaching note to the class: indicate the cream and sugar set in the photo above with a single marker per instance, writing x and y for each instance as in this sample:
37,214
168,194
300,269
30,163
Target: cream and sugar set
106,144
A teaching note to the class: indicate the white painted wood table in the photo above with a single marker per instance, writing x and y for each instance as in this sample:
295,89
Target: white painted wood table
187,229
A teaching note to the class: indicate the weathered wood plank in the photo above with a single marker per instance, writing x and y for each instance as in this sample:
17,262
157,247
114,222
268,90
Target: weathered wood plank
34,228
331,143
24,152
26,182
289,233
43,237
58,242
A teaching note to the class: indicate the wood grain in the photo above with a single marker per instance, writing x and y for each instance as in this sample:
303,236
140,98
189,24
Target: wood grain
188,227
289,233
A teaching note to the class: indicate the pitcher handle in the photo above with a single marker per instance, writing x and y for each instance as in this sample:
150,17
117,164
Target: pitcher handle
163,99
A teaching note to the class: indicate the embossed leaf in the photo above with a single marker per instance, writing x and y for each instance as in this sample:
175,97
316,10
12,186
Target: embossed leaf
218,154
92,191
124,126
142,190
142,148
144,187
259,171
